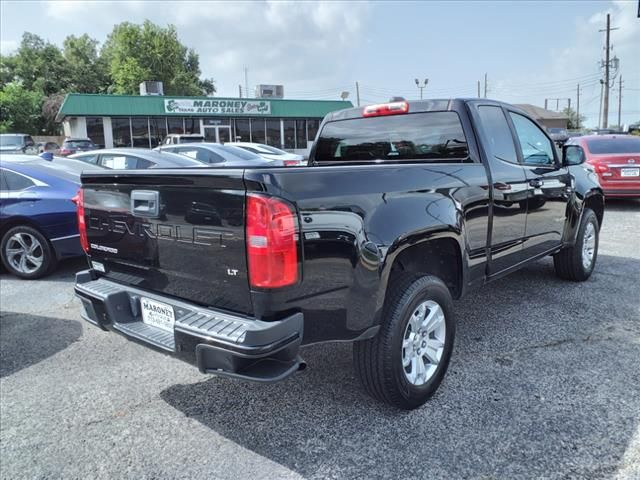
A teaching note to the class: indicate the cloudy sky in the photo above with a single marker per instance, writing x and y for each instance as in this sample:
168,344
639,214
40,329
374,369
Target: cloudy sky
529,50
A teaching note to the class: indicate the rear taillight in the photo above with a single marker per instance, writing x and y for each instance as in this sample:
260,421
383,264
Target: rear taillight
272,246
601,167
393,108
82,226
65,151
290,163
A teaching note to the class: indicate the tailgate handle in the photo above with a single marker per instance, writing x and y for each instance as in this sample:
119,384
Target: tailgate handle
145,203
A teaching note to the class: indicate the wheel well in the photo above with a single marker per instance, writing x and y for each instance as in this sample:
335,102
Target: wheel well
17,221
596,203
440,258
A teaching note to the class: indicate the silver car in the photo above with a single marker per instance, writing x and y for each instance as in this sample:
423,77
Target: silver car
218,155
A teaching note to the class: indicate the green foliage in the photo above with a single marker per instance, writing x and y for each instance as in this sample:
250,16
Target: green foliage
136,53
19,109
87,70
34,80
574,121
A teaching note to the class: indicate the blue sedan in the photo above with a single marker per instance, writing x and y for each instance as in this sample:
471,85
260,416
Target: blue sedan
38,219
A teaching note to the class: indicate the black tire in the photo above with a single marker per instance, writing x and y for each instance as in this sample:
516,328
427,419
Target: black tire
568,261
48,255
378,361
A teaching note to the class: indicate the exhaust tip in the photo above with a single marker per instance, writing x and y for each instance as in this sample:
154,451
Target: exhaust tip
302,365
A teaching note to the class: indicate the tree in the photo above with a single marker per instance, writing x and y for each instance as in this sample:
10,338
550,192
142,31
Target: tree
136,53
19,109
87,70
39,65
574,121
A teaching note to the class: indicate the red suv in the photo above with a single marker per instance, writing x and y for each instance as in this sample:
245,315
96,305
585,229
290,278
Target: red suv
616,160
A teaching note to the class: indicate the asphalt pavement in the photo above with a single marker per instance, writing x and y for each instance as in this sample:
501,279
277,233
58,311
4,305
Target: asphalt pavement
544,383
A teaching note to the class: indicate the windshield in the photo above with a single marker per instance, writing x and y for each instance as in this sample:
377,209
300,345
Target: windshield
78,144
623,145
557,130
10,140
271,150
434,136
191,139
238,152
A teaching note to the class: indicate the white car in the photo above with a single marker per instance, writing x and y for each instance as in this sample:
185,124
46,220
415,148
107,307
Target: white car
271,153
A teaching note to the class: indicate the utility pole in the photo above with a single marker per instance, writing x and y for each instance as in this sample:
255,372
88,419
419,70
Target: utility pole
246,81
358,93
620,103
485,85
607,65
546,102
478,88
578,108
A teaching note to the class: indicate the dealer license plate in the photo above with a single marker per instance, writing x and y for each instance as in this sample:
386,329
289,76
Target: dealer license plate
630,172
157,314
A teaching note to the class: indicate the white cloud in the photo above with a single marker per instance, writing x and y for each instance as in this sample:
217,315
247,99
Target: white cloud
291,43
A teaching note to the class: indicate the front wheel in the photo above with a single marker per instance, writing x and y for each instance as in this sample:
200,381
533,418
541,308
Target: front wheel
405,362
578,261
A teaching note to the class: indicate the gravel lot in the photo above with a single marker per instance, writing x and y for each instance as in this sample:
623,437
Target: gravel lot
544,383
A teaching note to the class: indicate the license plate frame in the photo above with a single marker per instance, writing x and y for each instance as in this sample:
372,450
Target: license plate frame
157,314
630,172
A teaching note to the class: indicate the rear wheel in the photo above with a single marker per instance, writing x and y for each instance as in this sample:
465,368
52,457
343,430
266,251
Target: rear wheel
26,252
404,364
578,261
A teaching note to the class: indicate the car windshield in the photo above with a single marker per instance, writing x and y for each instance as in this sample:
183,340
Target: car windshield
10,140
557,130
599,146
227,150
78,144
271,150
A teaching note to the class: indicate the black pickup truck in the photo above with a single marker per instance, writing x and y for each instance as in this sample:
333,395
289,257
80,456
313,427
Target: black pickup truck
403,208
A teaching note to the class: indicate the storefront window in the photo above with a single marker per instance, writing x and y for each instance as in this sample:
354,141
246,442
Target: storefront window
121,130
257,130
191,125
176,125
273,133
312,129
216,121
158,128
140,128
242,133
95,131
289,133
301,134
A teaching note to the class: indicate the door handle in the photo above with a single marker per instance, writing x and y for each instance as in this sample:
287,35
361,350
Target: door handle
536,183
145,203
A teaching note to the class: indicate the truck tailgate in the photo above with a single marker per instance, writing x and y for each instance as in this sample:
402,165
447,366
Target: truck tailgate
179,232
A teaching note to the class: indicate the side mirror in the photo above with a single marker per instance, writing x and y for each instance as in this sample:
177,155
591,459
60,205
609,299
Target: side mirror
572,155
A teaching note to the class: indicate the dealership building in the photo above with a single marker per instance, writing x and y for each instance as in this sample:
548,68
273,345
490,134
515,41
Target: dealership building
144,121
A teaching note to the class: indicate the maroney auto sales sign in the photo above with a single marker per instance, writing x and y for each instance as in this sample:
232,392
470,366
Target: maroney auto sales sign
228,107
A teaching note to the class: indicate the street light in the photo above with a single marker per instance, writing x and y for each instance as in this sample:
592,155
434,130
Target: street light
421,87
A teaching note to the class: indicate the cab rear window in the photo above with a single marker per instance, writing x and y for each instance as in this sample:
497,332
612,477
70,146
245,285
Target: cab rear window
430,137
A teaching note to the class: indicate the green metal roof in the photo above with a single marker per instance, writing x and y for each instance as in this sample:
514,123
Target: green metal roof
80,104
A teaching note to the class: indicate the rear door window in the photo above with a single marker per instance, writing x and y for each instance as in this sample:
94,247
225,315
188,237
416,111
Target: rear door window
119,162
416,137
16,182
497,133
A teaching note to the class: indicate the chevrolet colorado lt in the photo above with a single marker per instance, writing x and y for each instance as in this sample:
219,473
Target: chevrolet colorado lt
402,208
